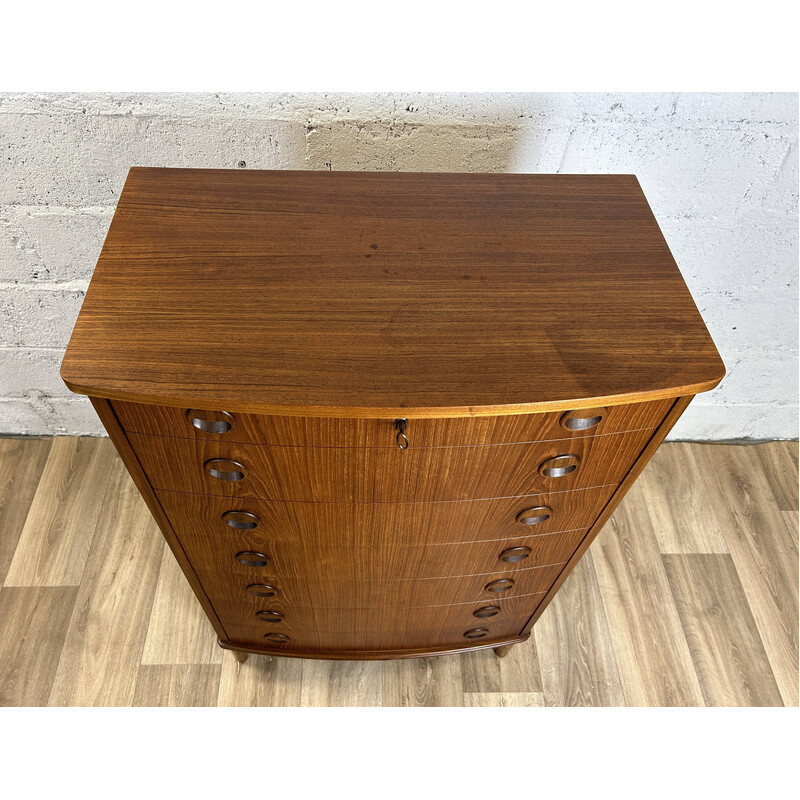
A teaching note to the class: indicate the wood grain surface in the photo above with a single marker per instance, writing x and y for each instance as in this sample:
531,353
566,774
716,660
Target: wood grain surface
332,432
763,547
34,621
643,622
177,685
375,639
362,525
22,462
386,295
231,599
364,620
577,662
178,631
54,541
728,655
319,559
385,475
118,582
582,659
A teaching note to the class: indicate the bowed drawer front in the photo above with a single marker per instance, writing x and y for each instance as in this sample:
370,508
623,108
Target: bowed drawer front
452,541
384,415
380,475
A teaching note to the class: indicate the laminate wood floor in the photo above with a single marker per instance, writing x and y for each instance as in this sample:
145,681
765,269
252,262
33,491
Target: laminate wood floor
689,597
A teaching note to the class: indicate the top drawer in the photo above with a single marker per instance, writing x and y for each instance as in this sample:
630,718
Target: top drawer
380,433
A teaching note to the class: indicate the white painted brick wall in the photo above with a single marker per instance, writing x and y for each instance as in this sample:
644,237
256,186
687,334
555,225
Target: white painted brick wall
720,171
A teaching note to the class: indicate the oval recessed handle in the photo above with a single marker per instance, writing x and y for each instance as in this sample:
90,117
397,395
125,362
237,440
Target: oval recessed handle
514,554
582,419
270,616
476,633
241,520
486,611
535,516
502,585
262,590
276,638
210,421
559,466
225,469
252,559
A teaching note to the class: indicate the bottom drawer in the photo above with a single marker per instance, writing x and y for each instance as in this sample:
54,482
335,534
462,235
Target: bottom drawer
232,599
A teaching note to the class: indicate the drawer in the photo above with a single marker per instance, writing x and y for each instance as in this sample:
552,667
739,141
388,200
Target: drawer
346,525
380,433
463,635
272,616
381,475
246,556
232,597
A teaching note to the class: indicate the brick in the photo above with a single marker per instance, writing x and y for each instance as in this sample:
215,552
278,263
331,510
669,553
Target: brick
31,317
25,369
692,172
21,417
44,245
81,160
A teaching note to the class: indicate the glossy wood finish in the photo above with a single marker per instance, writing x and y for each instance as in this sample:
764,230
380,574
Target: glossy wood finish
69,646
405,295
327,432
319,559
360,525
231,598
277,616
277,351
385,475
375,639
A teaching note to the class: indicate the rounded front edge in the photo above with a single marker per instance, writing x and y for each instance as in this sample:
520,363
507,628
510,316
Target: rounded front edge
370,655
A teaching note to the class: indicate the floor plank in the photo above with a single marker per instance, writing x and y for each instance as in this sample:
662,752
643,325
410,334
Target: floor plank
195,685
106,634
178,631
678,505
726,648
54,542
576,653
34,622
341,683
503,699
260,681
792,522
778,461
21,465
416,682
653,659
483,671
765,558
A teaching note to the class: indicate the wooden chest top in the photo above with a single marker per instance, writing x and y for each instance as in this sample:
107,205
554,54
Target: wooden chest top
386,295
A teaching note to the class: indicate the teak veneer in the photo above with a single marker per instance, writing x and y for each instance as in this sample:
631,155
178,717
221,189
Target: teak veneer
382,415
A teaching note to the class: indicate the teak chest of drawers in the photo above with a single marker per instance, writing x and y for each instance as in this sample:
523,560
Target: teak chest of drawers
383,415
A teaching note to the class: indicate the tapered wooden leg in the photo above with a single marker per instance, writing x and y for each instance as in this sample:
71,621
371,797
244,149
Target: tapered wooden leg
240,656
502,651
